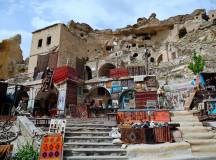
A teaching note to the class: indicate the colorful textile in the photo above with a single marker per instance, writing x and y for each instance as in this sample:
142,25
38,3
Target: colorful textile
124,83
202,80
156,116
51,147
116,89
130,84
64,73
118,72
116,83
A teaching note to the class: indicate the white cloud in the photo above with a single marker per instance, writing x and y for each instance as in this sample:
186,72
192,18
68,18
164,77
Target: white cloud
15,6
38,22
114,13
26,39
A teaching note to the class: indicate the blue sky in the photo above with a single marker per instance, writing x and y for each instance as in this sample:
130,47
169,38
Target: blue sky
25,16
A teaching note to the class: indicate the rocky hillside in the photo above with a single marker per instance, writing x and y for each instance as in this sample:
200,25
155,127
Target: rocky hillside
203,41
171,42
11,59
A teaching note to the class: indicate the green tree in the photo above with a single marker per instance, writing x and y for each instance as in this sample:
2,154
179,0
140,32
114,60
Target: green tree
197,63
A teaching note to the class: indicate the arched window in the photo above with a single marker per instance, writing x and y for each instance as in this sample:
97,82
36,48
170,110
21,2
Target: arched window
104,70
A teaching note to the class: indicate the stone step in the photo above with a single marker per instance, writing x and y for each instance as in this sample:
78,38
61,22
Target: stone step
159,151
201,141
94,152
189,124
89,125
209,148
184,119
198,135
96,158
87,133
193,157
90,145
180,113
204,156
101,129
185,116
193,128
105,139
84,122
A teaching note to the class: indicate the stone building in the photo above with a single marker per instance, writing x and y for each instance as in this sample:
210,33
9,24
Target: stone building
54,46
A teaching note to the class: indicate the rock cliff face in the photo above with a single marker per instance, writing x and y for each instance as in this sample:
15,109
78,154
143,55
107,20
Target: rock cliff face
171,42
147,32
11,58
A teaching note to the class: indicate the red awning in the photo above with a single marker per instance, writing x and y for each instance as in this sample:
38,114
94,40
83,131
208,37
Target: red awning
64,73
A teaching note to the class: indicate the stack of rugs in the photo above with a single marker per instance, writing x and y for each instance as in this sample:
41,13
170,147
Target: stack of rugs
145,133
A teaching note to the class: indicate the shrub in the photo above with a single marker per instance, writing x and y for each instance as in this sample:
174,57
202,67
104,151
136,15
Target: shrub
26,152
197,63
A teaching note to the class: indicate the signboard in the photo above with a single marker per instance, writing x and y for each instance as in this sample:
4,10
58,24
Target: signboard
51,147
57,126
61,98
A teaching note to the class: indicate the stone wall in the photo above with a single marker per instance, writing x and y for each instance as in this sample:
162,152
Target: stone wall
70,47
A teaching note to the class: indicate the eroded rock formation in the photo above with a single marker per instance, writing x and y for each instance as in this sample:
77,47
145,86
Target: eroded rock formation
11,58
171,42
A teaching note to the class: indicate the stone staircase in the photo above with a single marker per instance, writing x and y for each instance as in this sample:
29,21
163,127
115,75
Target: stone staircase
201,139
189,100
89,140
